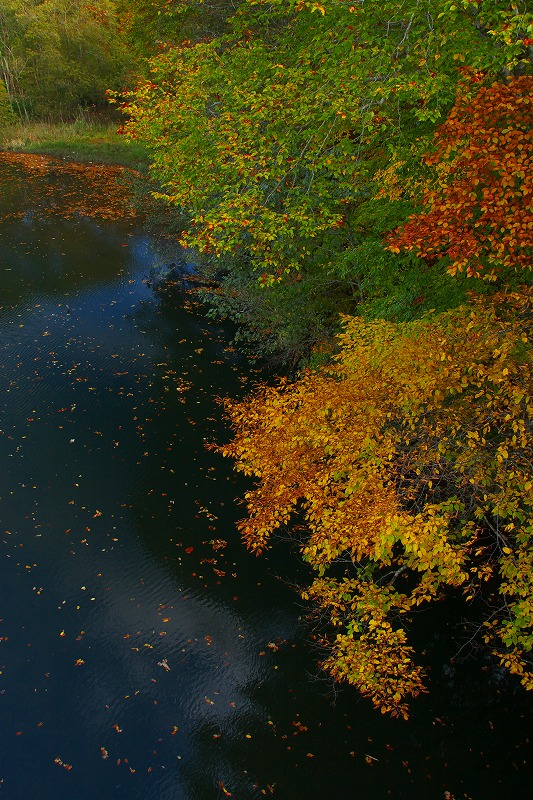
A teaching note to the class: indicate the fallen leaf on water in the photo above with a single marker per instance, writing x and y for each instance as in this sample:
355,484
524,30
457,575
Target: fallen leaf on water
61,763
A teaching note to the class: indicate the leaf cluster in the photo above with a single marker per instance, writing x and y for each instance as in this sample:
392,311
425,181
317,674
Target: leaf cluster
410,459
478,213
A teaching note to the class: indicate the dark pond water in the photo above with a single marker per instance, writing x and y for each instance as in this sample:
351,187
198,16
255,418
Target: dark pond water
141,658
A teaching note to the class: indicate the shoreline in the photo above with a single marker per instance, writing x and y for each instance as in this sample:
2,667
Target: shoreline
80,140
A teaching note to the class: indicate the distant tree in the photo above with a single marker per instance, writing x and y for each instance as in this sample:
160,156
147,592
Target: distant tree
6,112
58,56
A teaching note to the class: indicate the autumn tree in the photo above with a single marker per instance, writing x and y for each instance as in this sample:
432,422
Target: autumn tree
480,195
408,461
293,139
271,135
274,135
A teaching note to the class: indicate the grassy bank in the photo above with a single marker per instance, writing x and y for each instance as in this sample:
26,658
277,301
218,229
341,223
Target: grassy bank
79,140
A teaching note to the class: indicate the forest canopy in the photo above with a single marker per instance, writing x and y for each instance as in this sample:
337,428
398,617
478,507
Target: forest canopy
278,136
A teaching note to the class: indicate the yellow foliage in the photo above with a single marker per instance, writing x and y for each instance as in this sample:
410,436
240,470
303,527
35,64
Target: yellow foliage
388,179
410,459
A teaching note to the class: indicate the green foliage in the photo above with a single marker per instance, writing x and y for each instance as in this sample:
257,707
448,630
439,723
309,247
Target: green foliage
403,287
283,322
6,112
60,55
291,137
152,25
272,134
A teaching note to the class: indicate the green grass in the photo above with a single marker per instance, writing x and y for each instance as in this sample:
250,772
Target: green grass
80,140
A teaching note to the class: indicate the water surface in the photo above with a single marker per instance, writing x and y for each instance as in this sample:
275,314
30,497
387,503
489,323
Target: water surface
143,653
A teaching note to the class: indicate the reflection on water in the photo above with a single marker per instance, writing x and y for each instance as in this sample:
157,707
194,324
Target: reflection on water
143,653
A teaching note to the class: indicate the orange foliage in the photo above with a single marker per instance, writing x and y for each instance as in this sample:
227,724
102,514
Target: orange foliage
480,206
410,461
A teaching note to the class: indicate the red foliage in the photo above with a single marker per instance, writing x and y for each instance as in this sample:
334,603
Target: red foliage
479,211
